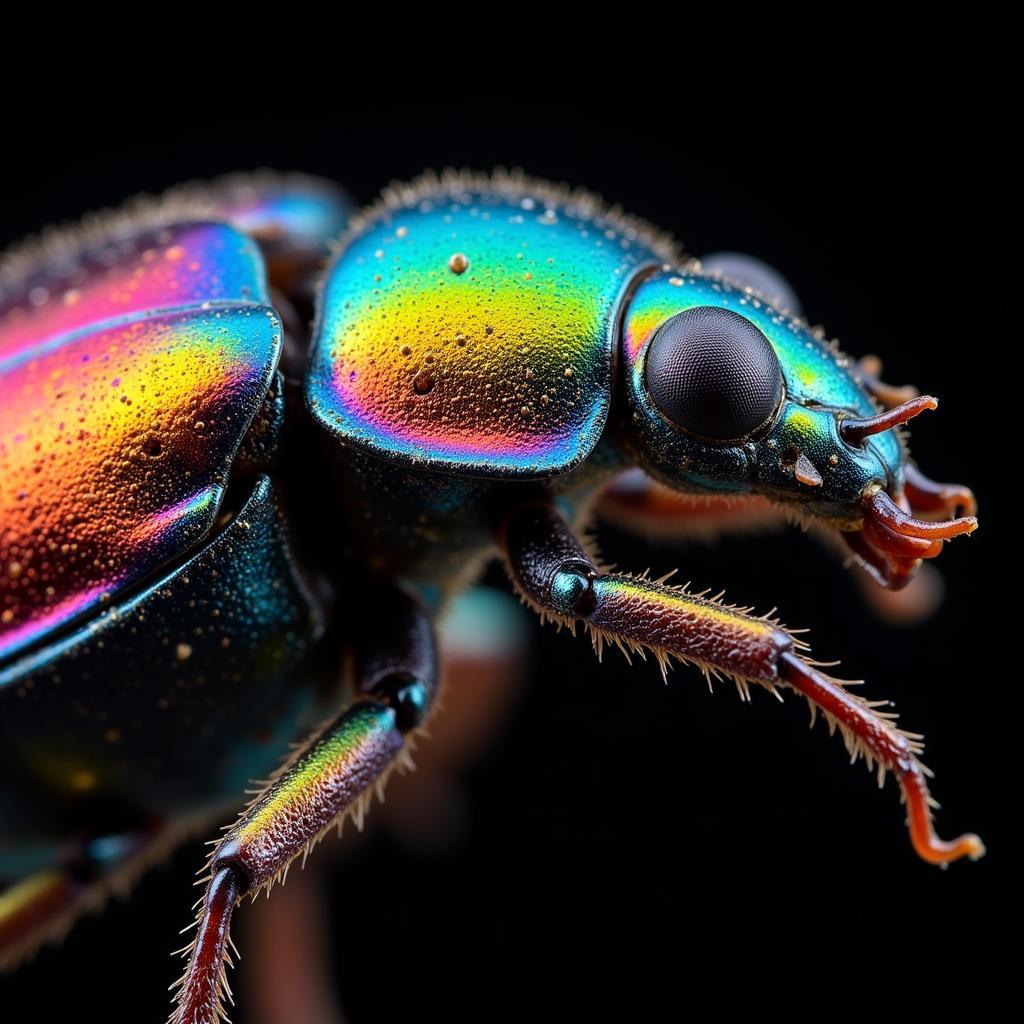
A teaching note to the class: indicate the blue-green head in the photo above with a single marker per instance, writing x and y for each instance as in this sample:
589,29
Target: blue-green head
726,395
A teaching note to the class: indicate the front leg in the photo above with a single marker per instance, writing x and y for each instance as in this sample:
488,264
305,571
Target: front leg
560,580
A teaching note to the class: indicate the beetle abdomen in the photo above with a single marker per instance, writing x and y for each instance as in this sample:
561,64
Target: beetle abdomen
469,323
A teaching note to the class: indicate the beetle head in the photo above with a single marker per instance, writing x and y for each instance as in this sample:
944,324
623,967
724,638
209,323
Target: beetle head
726,395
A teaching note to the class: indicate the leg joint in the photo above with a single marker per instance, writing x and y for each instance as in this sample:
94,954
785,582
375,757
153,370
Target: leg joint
572,589
406,695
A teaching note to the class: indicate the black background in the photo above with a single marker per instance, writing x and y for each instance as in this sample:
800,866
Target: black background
634,850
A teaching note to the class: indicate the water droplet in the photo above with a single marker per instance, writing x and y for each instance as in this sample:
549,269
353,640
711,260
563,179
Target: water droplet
457,263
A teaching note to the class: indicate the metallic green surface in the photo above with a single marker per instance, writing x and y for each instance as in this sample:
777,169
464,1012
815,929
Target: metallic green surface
821,386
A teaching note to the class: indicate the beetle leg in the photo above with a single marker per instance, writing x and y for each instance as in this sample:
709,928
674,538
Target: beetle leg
288,976
327,778
635,502
41,907
556,576
869,369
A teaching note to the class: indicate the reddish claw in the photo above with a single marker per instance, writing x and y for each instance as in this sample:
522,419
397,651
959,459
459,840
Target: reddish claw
928,496
884,511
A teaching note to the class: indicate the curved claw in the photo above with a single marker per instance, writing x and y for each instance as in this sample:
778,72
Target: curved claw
889,571
892,542
855,431
882,510
928,496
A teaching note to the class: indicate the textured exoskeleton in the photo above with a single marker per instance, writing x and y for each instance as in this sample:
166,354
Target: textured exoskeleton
223,530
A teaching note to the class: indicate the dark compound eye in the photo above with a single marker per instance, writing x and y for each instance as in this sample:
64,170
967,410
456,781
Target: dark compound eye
713,373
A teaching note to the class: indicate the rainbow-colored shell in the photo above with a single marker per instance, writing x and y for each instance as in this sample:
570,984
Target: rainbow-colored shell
130,375
475,329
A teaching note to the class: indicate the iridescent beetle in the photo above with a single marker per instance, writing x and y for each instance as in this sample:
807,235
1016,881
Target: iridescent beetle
193,491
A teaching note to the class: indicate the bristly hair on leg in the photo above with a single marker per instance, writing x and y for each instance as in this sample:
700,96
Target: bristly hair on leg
199,993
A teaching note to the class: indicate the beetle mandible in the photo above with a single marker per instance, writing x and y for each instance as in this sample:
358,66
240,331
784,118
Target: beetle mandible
193,483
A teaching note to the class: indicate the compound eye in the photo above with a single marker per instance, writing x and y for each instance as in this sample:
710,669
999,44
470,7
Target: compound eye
712,372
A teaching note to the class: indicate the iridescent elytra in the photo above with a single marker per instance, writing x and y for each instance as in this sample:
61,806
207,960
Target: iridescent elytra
252,443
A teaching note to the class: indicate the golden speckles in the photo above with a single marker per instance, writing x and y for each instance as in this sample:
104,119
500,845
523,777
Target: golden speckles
833,459
112,735
676,282
174,253
15,569
529,373
527,276
525,410
183,652
545,399
460,340
377,278
378,254
405,350
401,232
7,616
72,297
458,263
82,781
568,371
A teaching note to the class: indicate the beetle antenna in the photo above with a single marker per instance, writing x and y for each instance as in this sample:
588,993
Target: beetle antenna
855,431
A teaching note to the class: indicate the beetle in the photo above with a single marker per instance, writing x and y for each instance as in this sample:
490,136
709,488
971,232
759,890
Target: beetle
194,484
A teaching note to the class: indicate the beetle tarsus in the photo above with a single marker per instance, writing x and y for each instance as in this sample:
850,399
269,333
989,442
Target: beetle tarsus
877,739
204,983
643,615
